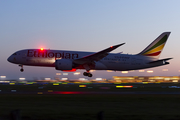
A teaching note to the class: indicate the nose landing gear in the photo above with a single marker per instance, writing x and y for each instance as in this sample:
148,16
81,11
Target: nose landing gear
21,68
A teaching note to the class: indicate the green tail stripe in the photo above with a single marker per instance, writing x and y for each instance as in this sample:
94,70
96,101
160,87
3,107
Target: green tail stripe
163,40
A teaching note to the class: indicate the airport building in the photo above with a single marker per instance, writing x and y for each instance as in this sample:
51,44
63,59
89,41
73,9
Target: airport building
115,79
124,79
149,79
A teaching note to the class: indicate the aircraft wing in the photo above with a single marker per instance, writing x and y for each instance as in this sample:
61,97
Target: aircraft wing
96,56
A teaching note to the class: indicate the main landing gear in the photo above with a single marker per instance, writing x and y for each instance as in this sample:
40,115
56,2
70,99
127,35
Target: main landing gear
21,68
87,74
87,68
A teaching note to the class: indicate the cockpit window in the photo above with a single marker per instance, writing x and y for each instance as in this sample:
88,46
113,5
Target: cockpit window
15,54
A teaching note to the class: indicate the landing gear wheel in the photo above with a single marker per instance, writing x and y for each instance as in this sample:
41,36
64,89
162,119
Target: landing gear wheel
87,74
21,69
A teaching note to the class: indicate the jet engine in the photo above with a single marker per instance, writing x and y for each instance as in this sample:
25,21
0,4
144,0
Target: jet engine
63,64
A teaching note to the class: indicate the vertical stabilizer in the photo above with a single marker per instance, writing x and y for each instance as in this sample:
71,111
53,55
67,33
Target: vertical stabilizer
155,48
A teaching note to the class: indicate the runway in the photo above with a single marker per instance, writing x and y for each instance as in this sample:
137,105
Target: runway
92,93
91,89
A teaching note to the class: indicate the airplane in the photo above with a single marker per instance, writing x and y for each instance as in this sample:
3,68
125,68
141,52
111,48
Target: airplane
70,61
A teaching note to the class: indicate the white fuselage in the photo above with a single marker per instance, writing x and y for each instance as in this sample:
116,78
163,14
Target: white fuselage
47,58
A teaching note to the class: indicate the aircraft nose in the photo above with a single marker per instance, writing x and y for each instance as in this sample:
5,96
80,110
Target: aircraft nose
10,59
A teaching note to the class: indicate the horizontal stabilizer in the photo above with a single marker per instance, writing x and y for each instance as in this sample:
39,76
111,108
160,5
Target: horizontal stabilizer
162,60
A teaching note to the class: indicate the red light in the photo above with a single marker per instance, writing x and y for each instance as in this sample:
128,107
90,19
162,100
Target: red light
70,70
111,46
67,92
128,86
41,49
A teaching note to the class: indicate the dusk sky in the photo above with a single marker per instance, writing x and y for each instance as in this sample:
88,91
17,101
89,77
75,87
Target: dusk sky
87,25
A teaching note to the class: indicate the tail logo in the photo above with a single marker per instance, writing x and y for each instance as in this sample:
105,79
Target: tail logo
156,47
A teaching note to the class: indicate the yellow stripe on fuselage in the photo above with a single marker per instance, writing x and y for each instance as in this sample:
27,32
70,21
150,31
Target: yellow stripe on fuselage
159,48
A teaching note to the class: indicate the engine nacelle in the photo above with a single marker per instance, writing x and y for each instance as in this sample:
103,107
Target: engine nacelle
63,64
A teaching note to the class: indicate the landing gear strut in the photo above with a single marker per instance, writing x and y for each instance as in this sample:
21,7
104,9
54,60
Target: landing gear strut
87,74
87,68
21,68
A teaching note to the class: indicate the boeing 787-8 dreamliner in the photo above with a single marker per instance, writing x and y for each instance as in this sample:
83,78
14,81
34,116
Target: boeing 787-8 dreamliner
103,60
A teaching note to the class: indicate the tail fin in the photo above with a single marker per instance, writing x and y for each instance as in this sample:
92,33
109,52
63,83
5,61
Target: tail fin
155,48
